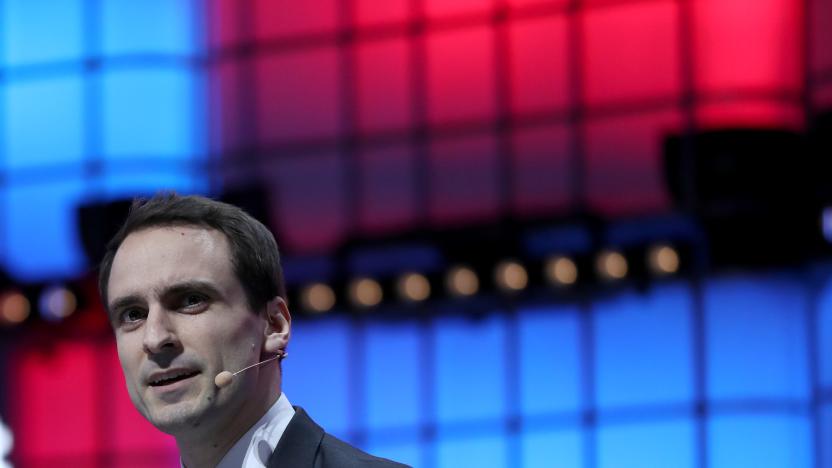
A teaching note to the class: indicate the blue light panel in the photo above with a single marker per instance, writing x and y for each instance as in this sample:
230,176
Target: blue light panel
643,347
317,372
39,32
550,361
666,444
4,228
410,453
148,26
42,241
148,112
826,437
756,332
487,451
470,351
759,441
122,184
824,331
392,349
43,122
563,448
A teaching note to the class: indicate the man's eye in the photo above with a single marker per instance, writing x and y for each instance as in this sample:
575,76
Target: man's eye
192,301
132,315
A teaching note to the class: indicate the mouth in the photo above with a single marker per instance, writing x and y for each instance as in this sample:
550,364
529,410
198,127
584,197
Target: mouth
170,378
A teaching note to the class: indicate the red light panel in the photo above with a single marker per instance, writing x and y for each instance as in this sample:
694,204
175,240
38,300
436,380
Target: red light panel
384,85
54,391
820,23
538,57
743,48
533,3
822,97
631,53
750,112
298,95
624,173
373,12
282,18
461,82
445,8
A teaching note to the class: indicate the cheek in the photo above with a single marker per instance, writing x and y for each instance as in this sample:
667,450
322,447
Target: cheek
235,342
130,359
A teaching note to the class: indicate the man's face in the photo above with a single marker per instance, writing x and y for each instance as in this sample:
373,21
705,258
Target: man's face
180,317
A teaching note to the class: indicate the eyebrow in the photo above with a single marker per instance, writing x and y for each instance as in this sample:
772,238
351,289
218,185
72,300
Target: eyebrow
168,291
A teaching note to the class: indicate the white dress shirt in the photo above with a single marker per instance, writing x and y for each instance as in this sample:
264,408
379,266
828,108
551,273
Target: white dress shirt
255,447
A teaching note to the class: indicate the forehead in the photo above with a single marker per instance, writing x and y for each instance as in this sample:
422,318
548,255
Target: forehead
151,258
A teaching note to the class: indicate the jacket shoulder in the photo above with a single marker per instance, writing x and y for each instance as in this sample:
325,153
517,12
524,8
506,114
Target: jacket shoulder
335,453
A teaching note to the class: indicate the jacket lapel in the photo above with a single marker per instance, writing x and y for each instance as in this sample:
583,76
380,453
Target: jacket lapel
298,446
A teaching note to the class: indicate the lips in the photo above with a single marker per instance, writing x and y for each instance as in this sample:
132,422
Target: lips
161,379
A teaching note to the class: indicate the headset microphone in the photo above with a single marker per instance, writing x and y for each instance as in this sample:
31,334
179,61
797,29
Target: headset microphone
224,378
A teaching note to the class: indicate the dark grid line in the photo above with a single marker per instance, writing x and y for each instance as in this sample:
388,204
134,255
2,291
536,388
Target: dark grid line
812,315
352,190
503,82
589,420
401,29
697,318
199,76
427,372
418,136
513,421
91,98
575,118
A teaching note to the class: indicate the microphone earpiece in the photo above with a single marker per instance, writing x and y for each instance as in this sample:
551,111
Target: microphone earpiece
224,378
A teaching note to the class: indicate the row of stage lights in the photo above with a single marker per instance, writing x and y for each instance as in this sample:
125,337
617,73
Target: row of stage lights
57,302
54,303
461,281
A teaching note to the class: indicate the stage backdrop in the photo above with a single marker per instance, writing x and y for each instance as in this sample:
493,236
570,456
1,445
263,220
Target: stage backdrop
734,373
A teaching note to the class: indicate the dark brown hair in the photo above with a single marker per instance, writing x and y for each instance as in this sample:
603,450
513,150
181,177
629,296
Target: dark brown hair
254,255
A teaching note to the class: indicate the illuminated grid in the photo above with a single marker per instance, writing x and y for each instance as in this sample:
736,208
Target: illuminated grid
547,135
98,100
486,108
736,370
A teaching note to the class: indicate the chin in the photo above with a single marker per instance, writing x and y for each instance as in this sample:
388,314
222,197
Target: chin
176,418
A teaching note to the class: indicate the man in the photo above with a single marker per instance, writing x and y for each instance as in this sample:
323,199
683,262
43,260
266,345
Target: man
193,287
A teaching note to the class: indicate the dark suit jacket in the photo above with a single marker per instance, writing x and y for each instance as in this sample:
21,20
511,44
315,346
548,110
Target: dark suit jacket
304,444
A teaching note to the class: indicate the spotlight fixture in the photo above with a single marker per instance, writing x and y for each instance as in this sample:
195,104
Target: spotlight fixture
317,297
365,292
511,276
611,265
663,259
561,271
462,281
413,287
14,308
57,303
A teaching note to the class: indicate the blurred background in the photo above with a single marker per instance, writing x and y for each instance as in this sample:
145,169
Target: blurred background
517,233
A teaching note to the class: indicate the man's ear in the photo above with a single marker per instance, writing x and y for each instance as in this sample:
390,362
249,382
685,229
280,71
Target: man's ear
278,326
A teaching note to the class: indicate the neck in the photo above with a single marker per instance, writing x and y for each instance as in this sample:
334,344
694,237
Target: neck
204,447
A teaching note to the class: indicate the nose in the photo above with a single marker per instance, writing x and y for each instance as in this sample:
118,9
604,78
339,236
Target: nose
159,332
